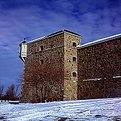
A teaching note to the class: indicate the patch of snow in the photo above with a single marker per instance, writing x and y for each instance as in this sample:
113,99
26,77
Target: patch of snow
100,40
40,38
95,79
115,77
87,110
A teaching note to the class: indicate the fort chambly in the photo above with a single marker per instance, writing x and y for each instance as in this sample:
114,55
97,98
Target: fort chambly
58,67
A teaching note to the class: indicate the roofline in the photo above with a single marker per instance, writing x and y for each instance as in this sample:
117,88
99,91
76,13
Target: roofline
53,34
65,30
100,41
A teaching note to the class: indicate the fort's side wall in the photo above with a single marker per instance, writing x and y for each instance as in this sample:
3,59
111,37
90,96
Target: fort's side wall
99,70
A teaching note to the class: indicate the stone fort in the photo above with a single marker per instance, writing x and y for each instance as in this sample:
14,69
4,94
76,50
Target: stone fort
58,67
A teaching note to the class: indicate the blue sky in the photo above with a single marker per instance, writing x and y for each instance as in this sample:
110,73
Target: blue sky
93,19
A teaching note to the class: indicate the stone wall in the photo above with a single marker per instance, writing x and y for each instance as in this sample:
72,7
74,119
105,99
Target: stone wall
99,70
44,70
56,70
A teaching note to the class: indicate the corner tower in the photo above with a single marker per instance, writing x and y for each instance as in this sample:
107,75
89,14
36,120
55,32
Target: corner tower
51,68
71,41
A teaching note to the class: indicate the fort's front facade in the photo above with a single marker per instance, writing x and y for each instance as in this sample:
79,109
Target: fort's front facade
58,67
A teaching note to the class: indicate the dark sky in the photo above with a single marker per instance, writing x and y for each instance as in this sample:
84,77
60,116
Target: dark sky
92,19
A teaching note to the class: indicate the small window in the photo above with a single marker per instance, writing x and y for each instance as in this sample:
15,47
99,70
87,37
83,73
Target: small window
74,44
74,59
74,74
41,62
41,48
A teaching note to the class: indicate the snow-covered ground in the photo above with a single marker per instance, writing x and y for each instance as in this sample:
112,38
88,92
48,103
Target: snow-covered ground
81,110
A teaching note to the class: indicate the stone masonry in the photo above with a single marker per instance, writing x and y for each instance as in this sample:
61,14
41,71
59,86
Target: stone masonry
51,68
99,69
58,68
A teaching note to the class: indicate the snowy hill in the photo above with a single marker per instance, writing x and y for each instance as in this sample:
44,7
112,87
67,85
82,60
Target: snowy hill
81,110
